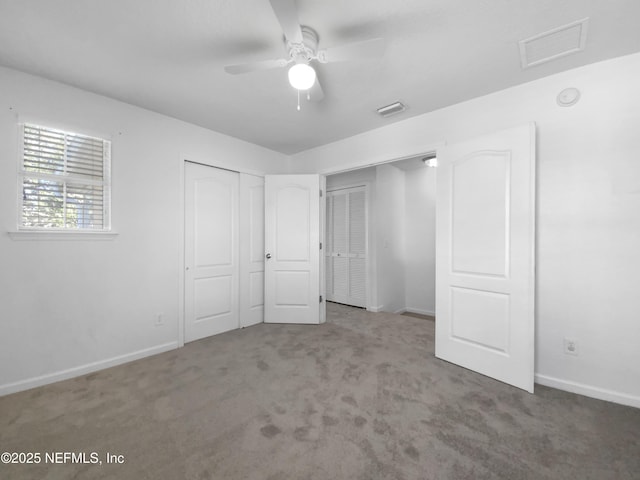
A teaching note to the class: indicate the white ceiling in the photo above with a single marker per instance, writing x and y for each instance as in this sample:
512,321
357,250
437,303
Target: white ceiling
168,56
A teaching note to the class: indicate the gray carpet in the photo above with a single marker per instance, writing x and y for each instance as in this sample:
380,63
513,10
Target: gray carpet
361,397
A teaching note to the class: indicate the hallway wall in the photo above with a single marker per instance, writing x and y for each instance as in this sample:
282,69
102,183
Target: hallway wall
420,240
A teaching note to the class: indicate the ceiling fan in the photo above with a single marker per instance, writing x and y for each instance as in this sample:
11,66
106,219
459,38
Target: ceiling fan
301,44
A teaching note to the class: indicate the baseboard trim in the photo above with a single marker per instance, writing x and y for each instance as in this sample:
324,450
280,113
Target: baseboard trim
588,390
421,312
400,311
33,382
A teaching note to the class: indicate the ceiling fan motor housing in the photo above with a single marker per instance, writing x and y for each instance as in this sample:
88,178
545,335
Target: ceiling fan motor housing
306,51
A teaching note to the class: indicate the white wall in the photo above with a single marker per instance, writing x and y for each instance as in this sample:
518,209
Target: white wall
68,307
390,237
588,220
420,240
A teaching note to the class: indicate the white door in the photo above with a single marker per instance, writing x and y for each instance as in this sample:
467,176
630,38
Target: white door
211,251
485,221
251,249
292,249
345,254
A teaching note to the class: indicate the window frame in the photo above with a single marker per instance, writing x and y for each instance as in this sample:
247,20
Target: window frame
33,232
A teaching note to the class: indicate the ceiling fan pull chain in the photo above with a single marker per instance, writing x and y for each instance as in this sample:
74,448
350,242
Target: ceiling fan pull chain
298,99
308,94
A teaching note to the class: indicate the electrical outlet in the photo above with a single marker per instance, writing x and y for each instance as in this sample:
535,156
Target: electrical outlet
159,319
570,346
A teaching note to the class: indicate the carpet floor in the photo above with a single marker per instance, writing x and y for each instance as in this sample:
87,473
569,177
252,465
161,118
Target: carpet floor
360,397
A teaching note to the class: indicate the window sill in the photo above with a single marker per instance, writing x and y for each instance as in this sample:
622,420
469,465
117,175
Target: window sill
61,235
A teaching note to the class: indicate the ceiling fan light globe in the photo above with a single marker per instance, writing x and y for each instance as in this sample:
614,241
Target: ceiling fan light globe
302,76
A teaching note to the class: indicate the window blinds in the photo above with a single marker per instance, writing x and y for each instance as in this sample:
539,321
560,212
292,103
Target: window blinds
65,180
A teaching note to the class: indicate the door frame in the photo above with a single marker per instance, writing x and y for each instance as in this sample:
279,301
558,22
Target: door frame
428,149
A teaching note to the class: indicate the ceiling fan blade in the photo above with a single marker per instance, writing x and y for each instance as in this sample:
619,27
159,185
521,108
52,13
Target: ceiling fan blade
315,93
255,66
287,15
366,49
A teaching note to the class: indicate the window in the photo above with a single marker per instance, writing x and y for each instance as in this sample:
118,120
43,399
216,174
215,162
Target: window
65,181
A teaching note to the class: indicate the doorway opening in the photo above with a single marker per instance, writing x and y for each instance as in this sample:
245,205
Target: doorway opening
399,258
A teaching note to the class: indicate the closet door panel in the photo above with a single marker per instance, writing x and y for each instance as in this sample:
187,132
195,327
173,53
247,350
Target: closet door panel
346,246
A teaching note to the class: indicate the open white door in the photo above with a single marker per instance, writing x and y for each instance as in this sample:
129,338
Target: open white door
485,244
292,249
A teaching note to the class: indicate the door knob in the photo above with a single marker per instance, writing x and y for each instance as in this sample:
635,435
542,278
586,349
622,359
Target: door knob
268,255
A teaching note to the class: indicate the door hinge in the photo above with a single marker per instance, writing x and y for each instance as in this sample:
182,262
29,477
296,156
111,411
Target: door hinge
320,193
320,298
320,245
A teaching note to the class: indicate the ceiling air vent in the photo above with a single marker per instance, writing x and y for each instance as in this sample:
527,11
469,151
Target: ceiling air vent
554,44
392,109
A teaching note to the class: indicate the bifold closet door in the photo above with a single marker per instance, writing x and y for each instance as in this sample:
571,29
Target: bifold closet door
345,255
211,251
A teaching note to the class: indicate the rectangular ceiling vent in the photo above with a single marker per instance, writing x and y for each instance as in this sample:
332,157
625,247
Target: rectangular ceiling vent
392,109
556,43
